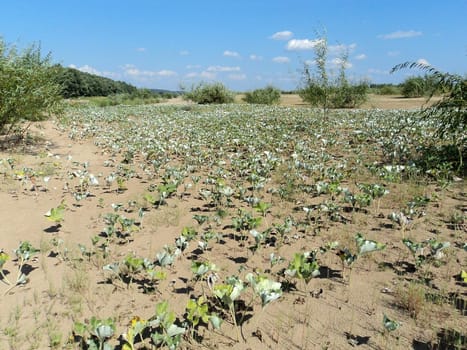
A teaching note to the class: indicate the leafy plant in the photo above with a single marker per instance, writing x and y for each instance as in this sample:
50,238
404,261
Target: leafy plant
95,333
197,310
227,293
56,214
134,331
303,266
164,330
266,289
23,254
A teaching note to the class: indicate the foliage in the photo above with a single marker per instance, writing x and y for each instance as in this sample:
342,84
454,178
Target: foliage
419,86
319,90
75,83
27,89
209,93
95,333
266,96
451,110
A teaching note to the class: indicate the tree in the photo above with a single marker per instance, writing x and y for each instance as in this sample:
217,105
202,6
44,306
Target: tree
27,88
450,112
320,91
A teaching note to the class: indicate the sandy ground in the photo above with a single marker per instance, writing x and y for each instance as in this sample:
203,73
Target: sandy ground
64,288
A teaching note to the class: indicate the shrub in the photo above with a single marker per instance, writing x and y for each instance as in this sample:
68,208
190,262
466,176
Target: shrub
419,86
386,89
205,93
267,96
319,91
450,112
27,88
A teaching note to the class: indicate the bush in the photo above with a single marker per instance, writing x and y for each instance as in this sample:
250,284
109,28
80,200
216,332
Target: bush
267,96
319,91
27,88
386,89
450,112
205,93
419,86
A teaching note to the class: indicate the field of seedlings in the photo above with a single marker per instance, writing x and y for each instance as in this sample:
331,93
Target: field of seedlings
232,226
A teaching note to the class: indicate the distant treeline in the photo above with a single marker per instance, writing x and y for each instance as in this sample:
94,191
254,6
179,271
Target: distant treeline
75,83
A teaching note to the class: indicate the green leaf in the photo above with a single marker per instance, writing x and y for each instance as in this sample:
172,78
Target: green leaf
215,321
390,325
56,214
464,276
175,330
367,246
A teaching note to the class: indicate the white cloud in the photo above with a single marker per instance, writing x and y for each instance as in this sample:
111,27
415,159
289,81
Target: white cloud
203,75
193,66
237,76
360,57
228,53
378,71
423,62
88,69
341,48
400,34
141,49
302,44
256,57
284,35
338,63
134,72
223,69
281,59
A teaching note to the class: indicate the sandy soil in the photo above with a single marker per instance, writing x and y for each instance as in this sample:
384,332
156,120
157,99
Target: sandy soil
64,287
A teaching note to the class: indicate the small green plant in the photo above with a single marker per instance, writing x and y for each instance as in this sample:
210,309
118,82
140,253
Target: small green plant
227,293
56,214
164,330
266,289
95,334
197,310
134,332
23,254
303,266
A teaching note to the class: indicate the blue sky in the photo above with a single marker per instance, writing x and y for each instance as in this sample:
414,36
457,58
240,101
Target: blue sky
245,44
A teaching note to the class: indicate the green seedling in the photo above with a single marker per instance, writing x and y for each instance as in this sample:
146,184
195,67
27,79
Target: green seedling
390,325
429,250
201,268
197,310
135,330
167,255
266,289
367,246
227,293
262,207
56,214
164,330
201,219
95,334
303,266
23,254
463,276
